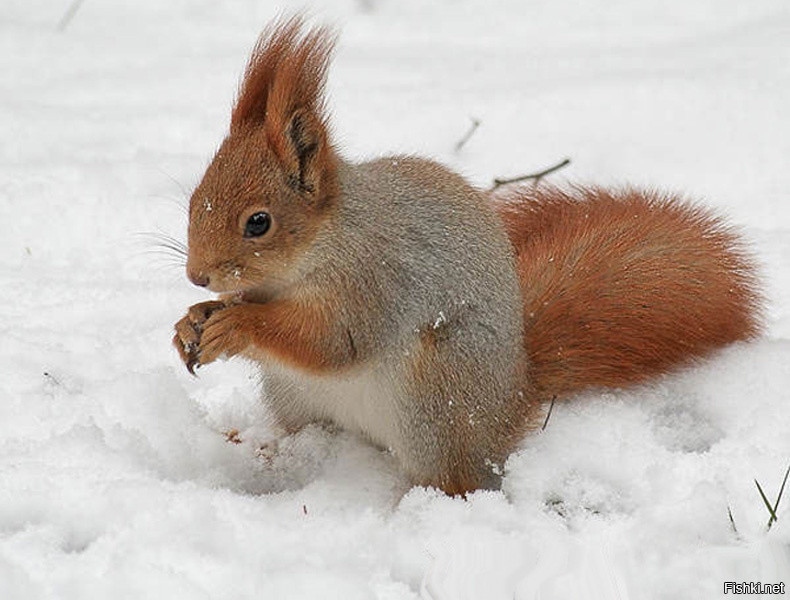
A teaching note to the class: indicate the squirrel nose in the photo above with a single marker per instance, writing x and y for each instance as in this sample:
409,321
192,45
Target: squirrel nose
198,278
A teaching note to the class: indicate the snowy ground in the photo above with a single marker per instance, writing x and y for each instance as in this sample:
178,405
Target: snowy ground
115,477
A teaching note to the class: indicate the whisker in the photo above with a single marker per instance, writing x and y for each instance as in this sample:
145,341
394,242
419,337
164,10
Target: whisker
160,235
176,259
171,250
173,273
162,240
179,251
163,262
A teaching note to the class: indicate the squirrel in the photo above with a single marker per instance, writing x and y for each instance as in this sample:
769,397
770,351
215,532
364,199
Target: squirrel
394,299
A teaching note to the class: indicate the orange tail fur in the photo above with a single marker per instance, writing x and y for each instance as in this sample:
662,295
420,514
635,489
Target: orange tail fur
623,285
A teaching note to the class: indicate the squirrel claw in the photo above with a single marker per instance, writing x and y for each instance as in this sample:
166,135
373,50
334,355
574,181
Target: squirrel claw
192,358
192,364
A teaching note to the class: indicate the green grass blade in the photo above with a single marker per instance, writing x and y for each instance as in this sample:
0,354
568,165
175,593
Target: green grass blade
732,521
767,504
781,491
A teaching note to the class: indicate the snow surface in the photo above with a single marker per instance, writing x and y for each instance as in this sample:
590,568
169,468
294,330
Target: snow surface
116,477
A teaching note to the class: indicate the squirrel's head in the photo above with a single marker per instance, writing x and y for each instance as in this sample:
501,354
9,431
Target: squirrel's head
273,180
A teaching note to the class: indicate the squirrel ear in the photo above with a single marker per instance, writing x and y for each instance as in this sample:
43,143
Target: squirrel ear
306,140
304,136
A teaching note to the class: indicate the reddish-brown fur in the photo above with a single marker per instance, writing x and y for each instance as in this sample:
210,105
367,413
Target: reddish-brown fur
293,334
622,285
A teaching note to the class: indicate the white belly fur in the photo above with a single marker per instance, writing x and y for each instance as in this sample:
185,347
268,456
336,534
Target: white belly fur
363,400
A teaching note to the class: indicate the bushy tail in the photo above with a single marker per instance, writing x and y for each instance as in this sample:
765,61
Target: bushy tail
623,285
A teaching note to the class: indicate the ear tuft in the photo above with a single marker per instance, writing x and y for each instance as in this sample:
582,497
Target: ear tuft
288,66
283,91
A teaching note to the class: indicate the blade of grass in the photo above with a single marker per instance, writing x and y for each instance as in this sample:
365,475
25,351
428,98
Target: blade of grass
781,491
69,14
767,504
732,521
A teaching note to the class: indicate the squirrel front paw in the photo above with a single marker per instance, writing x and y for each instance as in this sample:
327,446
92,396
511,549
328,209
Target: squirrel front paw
189,331
226,332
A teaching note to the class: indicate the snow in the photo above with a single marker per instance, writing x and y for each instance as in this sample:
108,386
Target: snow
117,475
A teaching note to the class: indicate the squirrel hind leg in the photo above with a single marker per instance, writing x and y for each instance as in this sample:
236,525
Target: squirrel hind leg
461,424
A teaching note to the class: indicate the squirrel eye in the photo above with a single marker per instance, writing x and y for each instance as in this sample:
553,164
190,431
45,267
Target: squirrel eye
257,225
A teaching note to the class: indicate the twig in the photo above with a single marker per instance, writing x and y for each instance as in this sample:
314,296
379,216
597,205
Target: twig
534,176
548,414
460,143
69,15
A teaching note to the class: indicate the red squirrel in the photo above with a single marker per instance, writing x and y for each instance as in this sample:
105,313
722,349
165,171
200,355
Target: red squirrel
394,299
